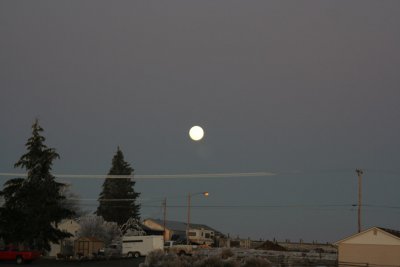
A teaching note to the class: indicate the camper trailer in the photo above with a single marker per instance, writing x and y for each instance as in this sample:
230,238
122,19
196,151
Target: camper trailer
201,236
135,246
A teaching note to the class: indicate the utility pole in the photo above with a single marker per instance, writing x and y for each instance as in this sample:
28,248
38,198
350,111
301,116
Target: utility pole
165,217
188,213
188,221
359,174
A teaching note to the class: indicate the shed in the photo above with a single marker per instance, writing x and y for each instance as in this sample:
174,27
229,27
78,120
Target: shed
87,246
376,246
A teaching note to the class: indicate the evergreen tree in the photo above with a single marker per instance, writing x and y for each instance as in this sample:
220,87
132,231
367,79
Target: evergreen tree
34,205
117,201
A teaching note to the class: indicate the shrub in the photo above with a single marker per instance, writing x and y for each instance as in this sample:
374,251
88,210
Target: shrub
231,263
213,261
226,253
159,259
256,262
153,258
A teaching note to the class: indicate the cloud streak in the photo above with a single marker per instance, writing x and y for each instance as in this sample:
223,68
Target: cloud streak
155,176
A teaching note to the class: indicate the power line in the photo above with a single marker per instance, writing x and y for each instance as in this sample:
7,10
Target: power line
160,200
327,206
245,206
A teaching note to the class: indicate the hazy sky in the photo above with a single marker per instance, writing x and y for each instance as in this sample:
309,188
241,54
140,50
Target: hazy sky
307,89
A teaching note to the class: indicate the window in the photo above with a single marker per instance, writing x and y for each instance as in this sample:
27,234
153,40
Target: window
192,234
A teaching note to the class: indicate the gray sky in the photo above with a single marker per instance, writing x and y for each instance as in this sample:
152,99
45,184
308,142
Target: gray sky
306,89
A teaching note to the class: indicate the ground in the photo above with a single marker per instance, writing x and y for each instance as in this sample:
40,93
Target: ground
102,263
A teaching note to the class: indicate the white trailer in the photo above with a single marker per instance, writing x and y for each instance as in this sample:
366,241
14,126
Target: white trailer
135,246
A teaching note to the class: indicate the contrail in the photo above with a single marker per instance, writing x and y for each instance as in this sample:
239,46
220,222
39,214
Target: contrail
155,176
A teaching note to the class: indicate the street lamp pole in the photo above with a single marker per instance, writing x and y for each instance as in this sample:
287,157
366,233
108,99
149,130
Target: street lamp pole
359,174
188,213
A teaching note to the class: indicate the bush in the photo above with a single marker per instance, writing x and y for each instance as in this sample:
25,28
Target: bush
213,261
231,263
226,253
225,259
256,262
158,258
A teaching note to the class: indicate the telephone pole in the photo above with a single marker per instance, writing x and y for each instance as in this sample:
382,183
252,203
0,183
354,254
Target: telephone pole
188,221
359,174
165,218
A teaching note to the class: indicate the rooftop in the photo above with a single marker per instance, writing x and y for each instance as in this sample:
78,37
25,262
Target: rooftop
181,226
390,231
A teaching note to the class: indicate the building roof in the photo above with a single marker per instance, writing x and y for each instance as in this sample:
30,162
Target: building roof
390,231
150,231
181,226
394,233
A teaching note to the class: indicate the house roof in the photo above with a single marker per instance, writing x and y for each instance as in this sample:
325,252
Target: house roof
394,233
390,231
181,226
150,231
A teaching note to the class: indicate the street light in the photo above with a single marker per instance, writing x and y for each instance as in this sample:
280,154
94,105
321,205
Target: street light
206,194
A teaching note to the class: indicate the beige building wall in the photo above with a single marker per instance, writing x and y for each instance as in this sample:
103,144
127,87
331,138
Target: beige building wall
379,255
70,226
374,246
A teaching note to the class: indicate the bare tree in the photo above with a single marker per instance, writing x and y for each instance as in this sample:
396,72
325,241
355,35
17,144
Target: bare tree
95,226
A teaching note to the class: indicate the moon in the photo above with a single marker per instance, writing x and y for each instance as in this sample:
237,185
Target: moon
196,133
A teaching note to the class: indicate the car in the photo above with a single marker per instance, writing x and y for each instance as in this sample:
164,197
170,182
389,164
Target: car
14,253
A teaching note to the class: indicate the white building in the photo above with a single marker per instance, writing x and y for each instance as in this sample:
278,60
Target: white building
373,247
66,245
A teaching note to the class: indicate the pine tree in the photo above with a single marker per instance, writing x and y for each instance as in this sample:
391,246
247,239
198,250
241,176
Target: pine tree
117,201
34,205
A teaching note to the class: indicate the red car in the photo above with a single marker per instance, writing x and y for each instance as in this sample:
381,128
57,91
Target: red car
11,253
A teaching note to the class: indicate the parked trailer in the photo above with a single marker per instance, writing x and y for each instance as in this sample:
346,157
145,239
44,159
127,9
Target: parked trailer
135,246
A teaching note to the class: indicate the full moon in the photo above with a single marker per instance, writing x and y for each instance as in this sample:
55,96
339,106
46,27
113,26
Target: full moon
196,133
